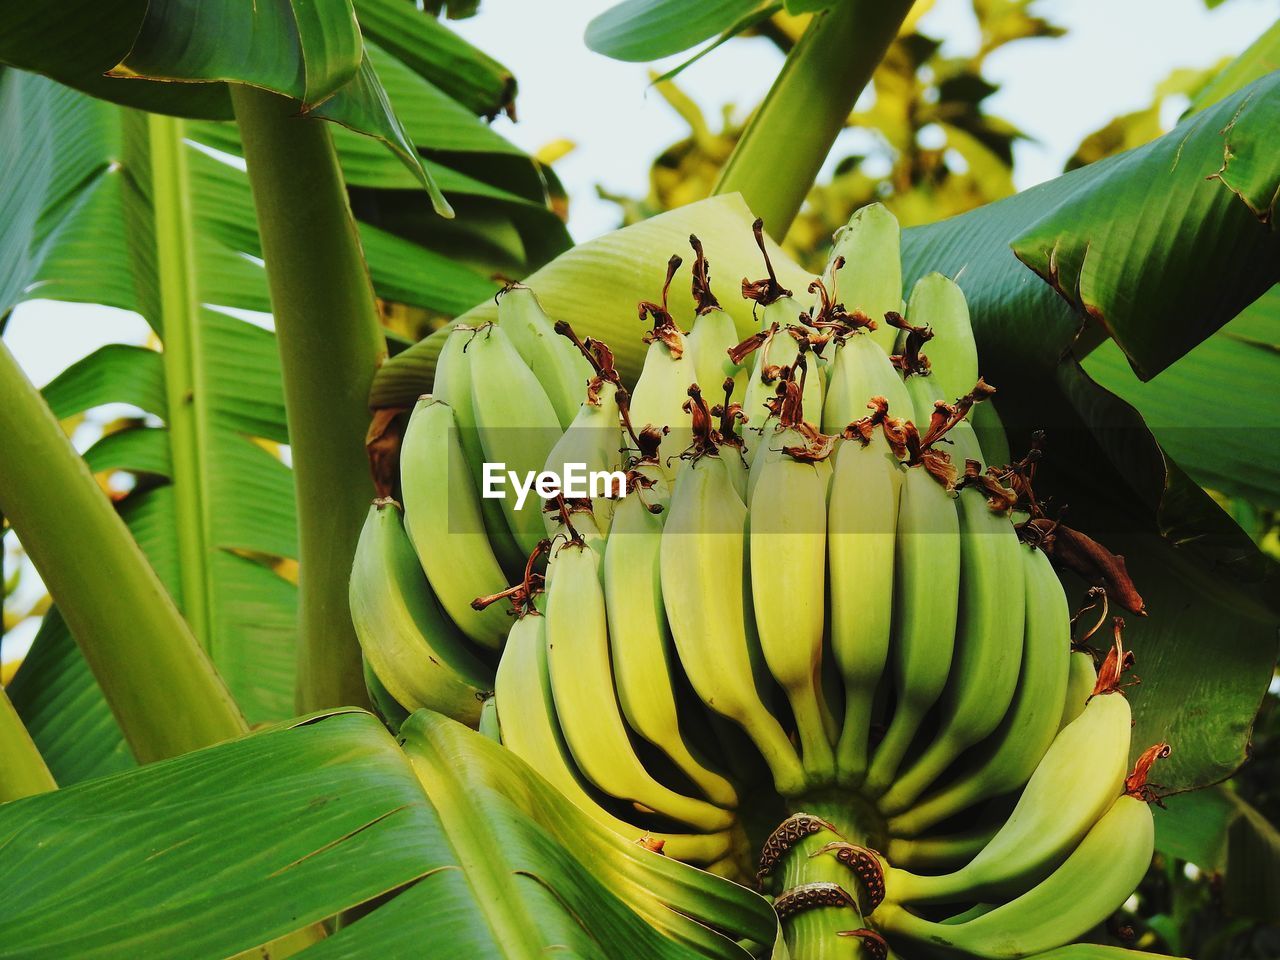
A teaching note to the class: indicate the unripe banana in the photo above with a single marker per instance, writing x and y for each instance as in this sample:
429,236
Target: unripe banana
926,594
452,385
384,704
953,353
1081,679
442,516
788,563
860,370
938,854
780,349
489,725
530,729
1077,779
1009,757
1096,951
1088,887
663,386
703,566
518,425
559,367
989,628
869,280
862,517
714,333
594,439
413,648
582,684
640,641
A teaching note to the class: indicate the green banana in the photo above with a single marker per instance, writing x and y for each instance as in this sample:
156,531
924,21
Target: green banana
1081,679
989,629
531,730
384,704
639,640
926,594
593,439
1095,879
953,353
787,543
663,386
714,333
559,367
452,385
489,724
518,425
1097,951
1009,757
866,269
1078,777
443,517
703,564
582,685
413,648
862,515
779,349
933,854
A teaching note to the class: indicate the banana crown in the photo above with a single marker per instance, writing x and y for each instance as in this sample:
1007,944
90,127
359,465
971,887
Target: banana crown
810,595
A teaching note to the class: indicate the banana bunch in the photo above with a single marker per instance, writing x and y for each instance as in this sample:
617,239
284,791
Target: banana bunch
799,594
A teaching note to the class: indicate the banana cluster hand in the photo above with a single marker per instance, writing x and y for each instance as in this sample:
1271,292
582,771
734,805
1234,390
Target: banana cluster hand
810,598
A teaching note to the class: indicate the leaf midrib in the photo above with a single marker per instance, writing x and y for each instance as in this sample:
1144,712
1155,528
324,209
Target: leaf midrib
183,354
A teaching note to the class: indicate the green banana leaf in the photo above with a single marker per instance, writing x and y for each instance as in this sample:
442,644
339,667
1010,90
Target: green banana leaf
639,30
312,52
1215,410
231,847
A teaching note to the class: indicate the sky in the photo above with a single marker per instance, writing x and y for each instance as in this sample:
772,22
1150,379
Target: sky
1056,91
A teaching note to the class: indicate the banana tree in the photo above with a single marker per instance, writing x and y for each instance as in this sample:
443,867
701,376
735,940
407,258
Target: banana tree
192,128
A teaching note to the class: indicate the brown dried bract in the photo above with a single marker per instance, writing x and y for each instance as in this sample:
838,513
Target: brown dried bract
766,291
523,594
810,896
911,361
705,301
1136,785
785,836
866,866
1117,663
652,843
1000,499
1066,546
382,444
705,438
865,429
664,326
741,351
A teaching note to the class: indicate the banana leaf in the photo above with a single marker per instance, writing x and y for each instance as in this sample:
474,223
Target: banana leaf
454,846
640,30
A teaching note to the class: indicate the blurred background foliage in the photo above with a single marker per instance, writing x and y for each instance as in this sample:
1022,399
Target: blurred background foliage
929,147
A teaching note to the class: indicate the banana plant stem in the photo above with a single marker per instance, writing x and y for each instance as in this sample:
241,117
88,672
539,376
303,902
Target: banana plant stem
789,136
22,769
331,343
159,682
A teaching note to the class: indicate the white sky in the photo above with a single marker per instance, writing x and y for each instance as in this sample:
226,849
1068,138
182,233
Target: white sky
1056,91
